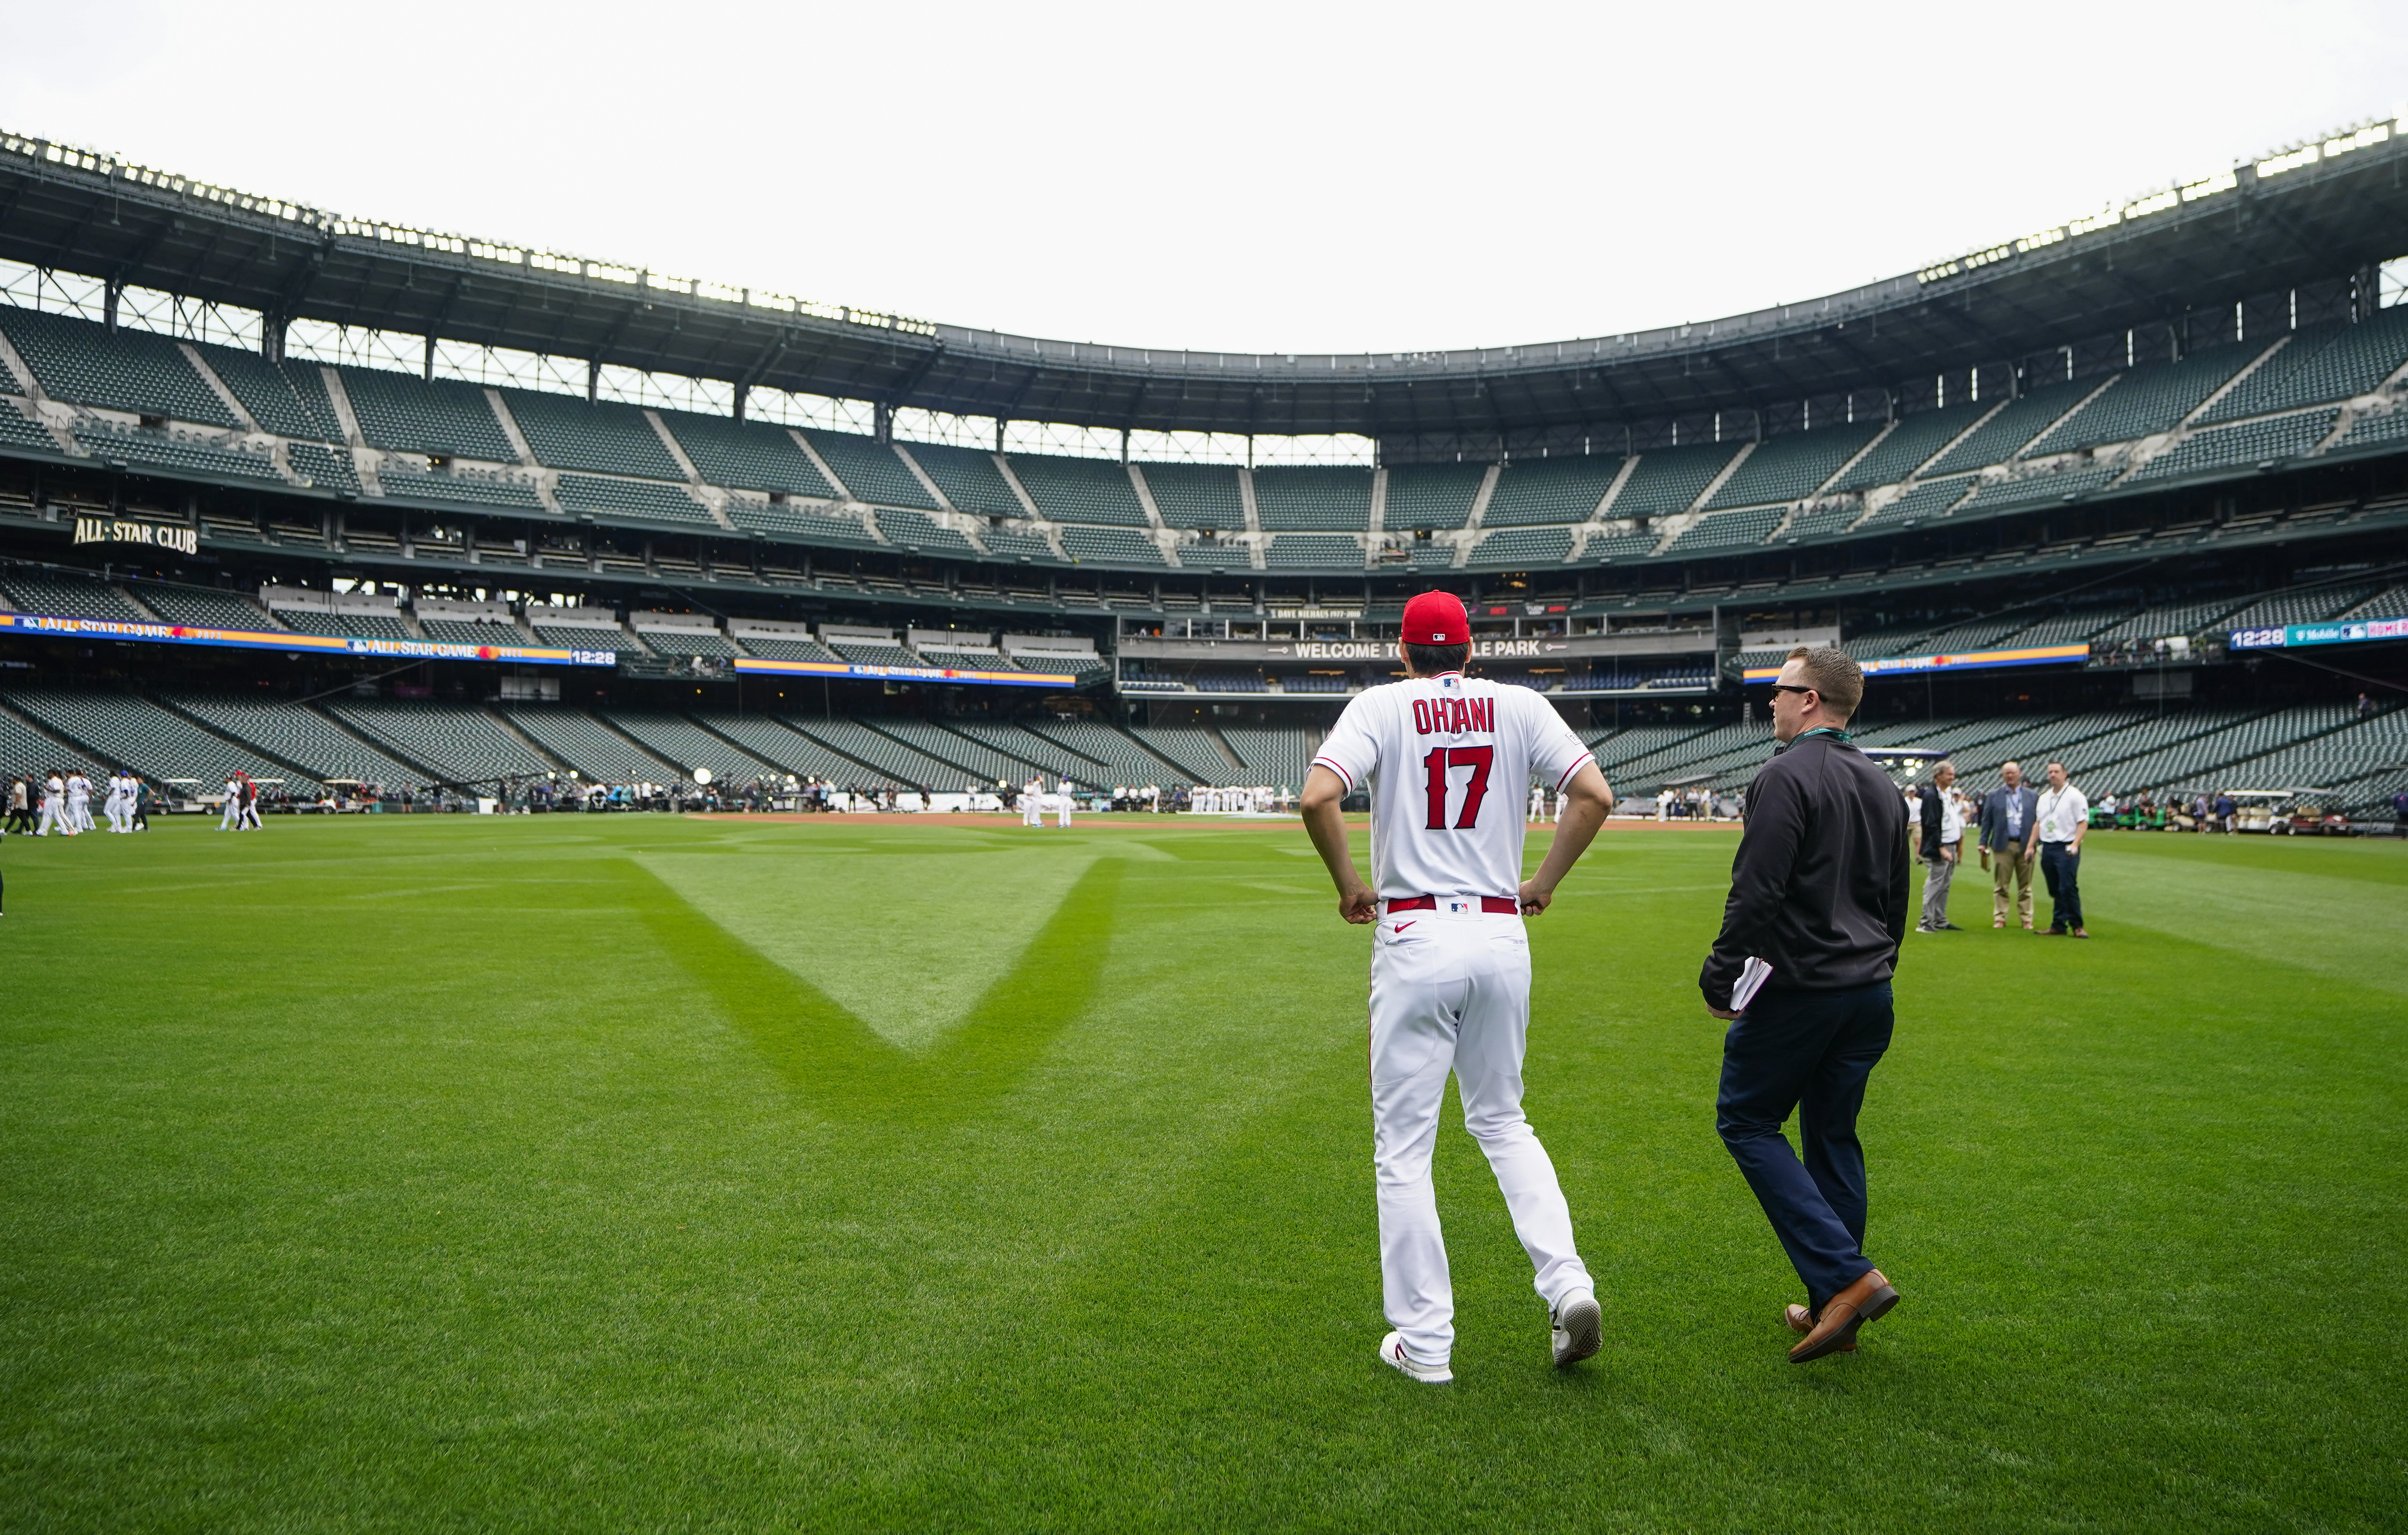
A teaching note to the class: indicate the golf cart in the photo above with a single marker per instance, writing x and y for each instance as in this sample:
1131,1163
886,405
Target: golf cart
2313,812
2258,810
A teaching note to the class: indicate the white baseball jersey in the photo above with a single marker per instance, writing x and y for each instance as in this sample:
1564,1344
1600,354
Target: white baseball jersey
1446,757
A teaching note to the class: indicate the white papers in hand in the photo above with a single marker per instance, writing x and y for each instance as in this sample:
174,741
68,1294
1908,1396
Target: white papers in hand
1752,977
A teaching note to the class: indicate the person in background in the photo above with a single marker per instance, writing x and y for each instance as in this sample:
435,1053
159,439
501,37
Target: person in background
20,807
2058,828
2365,707
2107,808
2007,813
2226,813
2399,813
1943,841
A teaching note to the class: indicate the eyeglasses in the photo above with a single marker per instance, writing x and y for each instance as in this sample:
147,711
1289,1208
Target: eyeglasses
1790,687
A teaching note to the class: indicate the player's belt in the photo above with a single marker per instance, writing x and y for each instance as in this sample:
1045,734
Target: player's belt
1503,906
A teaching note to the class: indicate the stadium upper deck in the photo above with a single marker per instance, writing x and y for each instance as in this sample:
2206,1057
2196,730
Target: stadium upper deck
2314,220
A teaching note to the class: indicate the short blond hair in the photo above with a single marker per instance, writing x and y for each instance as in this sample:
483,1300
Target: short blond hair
1834,674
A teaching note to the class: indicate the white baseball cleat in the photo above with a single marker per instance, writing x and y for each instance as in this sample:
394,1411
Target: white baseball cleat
1578,1327
1392,1352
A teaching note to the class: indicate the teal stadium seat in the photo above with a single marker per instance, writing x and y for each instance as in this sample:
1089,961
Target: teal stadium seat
921,533
749,455
1909,446
1081,490
639,501
2321,363
461,745
1793,466
1315,552
1436,497
1518,548
1109,546
470,490
2270,439
287,398
799,522
2017,423
1203,495
871,471
1669,479
1312,499
441,417
1536,491
1728,530
605,437
326,469
968,478
138,450
1209,556
82,363
2151,398
1017,541
199,608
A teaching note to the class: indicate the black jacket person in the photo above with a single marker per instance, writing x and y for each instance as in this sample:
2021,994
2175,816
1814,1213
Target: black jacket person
1819,892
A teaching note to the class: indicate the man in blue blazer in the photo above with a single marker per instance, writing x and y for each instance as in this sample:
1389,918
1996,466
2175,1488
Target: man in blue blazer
2007,813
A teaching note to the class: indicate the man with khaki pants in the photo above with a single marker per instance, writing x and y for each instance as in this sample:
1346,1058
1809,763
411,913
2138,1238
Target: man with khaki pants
2009,813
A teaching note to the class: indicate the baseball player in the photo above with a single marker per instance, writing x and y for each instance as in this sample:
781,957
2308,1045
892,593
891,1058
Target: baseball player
79,800
1449,961
1032,803
230,818
54,807
1062,804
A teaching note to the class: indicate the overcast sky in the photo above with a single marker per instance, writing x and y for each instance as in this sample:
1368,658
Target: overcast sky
1247,177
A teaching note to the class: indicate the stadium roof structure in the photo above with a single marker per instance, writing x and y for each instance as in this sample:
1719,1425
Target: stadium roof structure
2325,211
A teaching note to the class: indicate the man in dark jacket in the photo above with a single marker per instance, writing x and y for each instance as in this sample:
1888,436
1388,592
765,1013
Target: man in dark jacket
2007,813
1942,841
1819,893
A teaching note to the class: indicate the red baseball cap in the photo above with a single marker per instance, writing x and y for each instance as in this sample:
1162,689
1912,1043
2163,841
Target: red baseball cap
1437,617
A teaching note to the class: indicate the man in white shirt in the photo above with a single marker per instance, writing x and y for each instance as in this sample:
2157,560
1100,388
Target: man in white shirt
2057,828
1450,962
1032,802
80,801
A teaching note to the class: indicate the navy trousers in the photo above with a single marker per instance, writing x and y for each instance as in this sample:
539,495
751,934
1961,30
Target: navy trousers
2058,865
1808,1050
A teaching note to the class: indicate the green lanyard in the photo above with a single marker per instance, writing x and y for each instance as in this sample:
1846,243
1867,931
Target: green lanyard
1833,731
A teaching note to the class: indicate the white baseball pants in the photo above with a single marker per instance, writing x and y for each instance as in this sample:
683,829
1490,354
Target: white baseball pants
1061,810
1451,992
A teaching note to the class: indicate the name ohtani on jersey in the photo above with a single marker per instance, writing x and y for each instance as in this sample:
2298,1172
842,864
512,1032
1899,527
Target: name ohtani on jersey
1446,759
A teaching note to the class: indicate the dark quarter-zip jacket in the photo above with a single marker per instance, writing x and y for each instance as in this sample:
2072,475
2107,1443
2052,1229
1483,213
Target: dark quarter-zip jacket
1819,884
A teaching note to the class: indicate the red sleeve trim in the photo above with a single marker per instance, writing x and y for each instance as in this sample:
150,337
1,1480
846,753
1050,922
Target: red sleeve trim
1585,756
1337,767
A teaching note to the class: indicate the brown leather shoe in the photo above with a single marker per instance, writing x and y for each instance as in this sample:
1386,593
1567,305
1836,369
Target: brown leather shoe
1869,1299
1802,1320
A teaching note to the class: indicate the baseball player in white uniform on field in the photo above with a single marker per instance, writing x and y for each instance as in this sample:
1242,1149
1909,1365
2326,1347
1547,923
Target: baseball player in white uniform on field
1442,756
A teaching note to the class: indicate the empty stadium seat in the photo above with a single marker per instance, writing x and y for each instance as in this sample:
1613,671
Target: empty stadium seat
870,470
1431,496
2322,362
441,417
81,362
1792,465
2150,398
287,398
1204,495
1669,479
968,478
643,501
1081,490
2017,423
606,437
1310,498
1531,491
1909,446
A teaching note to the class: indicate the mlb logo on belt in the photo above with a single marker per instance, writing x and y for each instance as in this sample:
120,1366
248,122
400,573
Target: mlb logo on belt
1459,907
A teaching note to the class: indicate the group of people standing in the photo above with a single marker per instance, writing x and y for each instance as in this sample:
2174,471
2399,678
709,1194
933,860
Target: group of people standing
2016,828
241,810
61,800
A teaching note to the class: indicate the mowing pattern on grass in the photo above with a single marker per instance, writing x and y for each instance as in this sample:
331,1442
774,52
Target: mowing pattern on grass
629,1172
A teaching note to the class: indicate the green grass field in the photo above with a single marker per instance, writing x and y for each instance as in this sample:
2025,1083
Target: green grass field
637,1173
